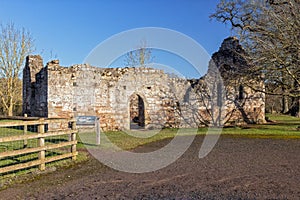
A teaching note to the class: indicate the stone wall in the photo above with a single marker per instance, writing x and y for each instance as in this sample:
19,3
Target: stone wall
231,61
35,87
117,95
103,92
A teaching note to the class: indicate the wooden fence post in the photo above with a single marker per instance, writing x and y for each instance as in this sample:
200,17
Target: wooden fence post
73,138
24,133
41,143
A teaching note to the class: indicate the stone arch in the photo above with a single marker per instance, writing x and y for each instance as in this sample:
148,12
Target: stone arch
137,114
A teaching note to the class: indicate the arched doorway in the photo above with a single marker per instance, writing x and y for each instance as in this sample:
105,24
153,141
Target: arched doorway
137,112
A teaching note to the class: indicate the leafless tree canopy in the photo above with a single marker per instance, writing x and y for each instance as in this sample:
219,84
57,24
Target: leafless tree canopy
139,57
15,45
269,31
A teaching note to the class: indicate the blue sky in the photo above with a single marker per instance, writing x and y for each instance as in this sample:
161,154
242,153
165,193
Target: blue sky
69,29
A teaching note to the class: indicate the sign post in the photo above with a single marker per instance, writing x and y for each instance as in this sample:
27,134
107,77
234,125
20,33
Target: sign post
97,127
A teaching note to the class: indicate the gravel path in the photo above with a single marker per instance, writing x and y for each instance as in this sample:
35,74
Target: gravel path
237,168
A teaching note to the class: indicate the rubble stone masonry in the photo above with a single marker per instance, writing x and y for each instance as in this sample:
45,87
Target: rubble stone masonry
121,96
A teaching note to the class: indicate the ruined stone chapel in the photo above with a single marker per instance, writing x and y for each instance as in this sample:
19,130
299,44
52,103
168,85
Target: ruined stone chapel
123,98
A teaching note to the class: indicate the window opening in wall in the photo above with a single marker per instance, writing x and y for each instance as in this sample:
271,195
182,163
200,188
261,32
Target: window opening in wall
186,97
219,95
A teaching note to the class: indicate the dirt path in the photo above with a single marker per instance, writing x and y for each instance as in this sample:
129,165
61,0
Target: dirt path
237,168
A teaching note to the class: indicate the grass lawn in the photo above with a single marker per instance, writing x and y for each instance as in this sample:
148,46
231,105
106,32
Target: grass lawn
283,127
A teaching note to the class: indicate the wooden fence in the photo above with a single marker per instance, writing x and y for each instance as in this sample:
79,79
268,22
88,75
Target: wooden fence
24,135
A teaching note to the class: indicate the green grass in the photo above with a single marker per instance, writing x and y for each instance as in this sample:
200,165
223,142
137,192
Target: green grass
283,127
123,139
285,119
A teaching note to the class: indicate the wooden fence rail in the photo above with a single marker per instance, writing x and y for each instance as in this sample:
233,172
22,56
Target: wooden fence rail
42,147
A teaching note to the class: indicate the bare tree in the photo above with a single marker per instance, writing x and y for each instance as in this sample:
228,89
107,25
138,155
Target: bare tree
15,45
204,102
219,97
269,31
139,57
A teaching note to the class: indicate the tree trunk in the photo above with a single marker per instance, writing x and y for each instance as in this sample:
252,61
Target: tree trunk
298,109
295,109
285,104
10,108
10,111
